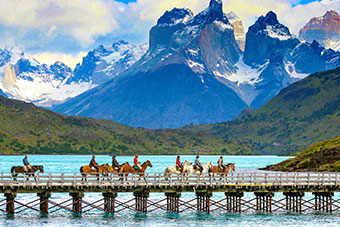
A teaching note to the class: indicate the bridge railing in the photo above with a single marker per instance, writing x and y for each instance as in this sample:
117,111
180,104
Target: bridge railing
158,179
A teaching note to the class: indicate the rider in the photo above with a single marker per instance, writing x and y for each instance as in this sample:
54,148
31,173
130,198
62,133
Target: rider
115,163
198,163
27,165
220,164
179,165
94,164
136,163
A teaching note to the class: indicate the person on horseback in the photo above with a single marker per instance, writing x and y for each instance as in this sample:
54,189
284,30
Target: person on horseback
115,163
220,164
198,164
179,165
94,164
137,164
27,165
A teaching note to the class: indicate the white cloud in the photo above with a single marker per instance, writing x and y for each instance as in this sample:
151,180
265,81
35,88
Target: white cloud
51,58
84,20
70,26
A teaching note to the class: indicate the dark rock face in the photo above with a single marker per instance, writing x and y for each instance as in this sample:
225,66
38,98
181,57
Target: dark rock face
265,37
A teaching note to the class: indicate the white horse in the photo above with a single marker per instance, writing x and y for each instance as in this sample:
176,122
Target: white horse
190,170
173,170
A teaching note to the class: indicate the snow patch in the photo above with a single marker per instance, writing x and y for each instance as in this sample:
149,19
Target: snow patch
275,33
244,74
290,68
222,26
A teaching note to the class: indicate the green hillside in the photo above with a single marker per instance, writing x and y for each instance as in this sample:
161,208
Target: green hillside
302,114
322,156
25,128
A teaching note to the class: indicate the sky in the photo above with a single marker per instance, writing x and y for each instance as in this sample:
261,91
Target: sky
66,30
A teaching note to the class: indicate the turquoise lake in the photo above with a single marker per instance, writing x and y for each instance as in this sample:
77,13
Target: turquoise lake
68,163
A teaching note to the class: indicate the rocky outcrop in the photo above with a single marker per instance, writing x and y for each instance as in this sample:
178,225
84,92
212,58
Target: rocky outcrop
238,29
324,29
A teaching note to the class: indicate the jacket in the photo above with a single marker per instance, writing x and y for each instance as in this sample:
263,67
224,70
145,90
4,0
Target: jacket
197,161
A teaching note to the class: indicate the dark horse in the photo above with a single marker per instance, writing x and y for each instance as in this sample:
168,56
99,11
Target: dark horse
20,169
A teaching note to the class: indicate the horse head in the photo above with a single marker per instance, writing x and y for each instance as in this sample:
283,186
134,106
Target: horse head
232,166
186,163
41,168
148,163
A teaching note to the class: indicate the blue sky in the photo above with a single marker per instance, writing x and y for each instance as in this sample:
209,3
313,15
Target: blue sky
66,30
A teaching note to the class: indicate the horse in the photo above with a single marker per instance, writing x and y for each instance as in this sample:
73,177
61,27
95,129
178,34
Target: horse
102,169
216,170
126,168
15,170
173,170
206,166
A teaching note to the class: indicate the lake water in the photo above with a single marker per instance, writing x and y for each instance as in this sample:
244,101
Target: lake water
63,163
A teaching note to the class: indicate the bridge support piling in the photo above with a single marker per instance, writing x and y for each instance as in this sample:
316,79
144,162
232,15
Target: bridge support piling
234,201
44,196
203,201
264,201
324,201
109,201
10,202
294,201
172,201
141,199
77,206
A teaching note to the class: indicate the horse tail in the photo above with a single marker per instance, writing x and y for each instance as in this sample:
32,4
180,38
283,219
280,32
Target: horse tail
81,169
13,169
165,172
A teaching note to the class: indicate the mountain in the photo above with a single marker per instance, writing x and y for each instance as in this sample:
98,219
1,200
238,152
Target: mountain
324,29
194,71
238,29
27,129
322,156
23,77
106,62
304,113
174,83
281,58
2,93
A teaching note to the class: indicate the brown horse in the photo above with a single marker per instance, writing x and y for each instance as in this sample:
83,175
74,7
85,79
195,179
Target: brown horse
127,168
15,170
102,169
216,170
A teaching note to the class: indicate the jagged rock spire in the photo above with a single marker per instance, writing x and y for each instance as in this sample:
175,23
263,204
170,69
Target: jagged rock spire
216,5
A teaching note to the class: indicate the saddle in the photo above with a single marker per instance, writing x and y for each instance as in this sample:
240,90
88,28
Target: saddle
135,167
25,168
93,169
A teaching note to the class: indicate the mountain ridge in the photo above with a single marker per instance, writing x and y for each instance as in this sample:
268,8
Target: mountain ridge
304,113
26,128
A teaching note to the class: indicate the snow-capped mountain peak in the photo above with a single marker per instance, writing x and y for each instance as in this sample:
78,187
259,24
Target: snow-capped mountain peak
270,26
324,29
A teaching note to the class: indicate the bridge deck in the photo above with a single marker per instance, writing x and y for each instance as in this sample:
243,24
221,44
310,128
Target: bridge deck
156,182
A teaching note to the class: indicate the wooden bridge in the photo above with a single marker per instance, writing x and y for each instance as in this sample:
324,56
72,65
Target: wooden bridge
234,185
